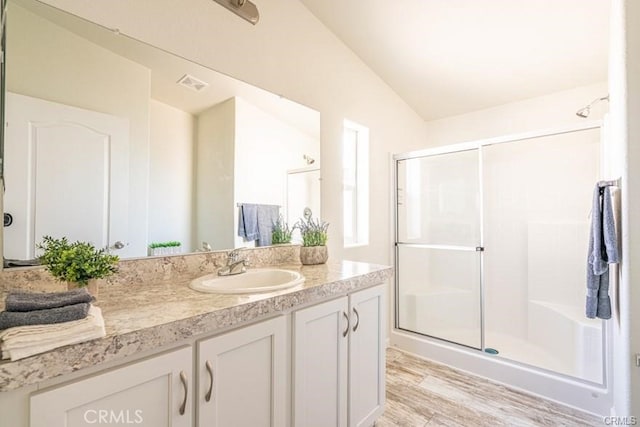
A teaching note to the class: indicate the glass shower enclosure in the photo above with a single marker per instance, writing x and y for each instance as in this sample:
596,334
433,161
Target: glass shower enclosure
491,245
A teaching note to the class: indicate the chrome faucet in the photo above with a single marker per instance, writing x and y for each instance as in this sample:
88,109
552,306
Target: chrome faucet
235,264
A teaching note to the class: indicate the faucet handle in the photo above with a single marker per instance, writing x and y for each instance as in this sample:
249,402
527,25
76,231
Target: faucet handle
233,255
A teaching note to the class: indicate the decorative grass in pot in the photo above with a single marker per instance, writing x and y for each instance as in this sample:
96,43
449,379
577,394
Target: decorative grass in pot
79,264
281,232
314,241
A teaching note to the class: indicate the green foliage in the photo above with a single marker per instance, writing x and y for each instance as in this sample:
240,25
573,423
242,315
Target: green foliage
172,244
76,262
281,232
314,232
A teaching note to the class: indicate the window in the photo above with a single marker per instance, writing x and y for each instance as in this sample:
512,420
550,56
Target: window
355,184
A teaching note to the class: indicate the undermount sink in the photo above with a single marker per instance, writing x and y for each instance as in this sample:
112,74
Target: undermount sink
250,282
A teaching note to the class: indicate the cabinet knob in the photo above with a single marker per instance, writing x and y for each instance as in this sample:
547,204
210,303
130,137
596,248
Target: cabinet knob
185,384
346,331
207,397
355,327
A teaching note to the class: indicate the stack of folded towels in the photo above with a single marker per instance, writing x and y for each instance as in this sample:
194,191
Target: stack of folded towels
34,323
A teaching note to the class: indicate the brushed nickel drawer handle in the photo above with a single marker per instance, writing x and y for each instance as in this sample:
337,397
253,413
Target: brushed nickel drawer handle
207,397
346,317
355,327
185,384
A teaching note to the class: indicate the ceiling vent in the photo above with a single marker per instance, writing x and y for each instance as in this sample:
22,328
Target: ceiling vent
192,83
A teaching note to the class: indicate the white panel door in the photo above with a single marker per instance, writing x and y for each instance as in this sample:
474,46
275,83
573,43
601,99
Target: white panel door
153,393
66,174
242,378
320,345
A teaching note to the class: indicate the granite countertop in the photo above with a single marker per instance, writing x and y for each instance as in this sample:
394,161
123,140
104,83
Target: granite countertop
146,316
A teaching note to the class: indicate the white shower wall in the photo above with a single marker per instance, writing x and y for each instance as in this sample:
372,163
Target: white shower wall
537,193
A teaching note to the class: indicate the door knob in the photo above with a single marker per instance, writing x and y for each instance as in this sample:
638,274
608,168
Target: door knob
118,245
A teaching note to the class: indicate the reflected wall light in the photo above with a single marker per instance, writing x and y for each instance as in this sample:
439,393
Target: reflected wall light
243,8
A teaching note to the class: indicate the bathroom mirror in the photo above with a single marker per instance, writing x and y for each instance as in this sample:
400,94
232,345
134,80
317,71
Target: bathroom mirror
114,141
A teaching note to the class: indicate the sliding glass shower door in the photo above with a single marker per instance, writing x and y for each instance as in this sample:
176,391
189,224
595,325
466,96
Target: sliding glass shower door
527,201
438,246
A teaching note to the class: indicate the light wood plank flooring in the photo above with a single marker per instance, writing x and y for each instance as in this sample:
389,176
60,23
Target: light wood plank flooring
422,393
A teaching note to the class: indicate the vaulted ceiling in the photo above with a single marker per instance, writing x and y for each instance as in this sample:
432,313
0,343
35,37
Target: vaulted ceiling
448,57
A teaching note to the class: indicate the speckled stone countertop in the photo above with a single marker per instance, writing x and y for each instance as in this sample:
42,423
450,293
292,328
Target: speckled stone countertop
145,315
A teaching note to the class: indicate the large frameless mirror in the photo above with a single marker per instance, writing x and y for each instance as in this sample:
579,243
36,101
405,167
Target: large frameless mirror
119,143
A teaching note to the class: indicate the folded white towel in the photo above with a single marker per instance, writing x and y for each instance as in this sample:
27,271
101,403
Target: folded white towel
24,341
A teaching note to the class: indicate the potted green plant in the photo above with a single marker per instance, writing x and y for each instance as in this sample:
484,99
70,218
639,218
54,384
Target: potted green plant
314,241
281,232
164,248
79,264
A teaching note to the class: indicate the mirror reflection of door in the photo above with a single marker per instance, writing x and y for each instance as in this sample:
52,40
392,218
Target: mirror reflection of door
76,176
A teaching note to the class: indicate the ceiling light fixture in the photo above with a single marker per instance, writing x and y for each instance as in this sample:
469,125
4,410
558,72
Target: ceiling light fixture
243,8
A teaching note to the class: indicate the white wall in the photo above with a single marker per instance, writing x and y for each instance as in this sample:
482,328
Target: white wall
292,54
553,110
624,78
171,175
101,81
632,182
215,165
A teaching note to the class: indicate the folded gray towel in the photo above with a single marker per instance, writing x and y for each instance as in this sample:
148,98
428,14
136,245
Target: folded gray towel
29,301
9,319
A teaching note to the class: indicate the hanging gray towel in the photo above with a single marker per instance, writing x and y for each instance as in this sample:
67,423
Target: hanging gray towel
28,301
267,216
9,319
603,250
248,221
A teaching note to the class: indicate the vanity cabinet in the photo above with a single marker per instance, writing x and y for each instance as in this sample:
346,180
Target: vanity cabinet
322,365
338,361
242,377
152,392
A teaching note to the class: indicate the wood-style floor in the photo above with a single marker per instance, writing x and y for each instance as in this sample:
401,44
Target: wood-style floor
423,393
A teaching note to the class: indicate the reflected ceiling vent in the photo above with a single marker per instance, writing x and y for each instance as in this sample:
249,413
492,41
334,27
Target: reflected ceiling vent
192,83
243,8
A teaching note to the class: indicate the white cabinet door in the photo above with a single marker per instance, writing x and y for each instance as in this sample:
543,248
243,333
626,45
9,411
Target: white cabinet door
366,356
242,377
320,340
152,393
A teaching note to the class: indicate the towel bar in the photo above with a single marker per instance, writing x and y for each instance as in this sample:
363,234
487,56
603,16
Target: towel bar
263,204
609,183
